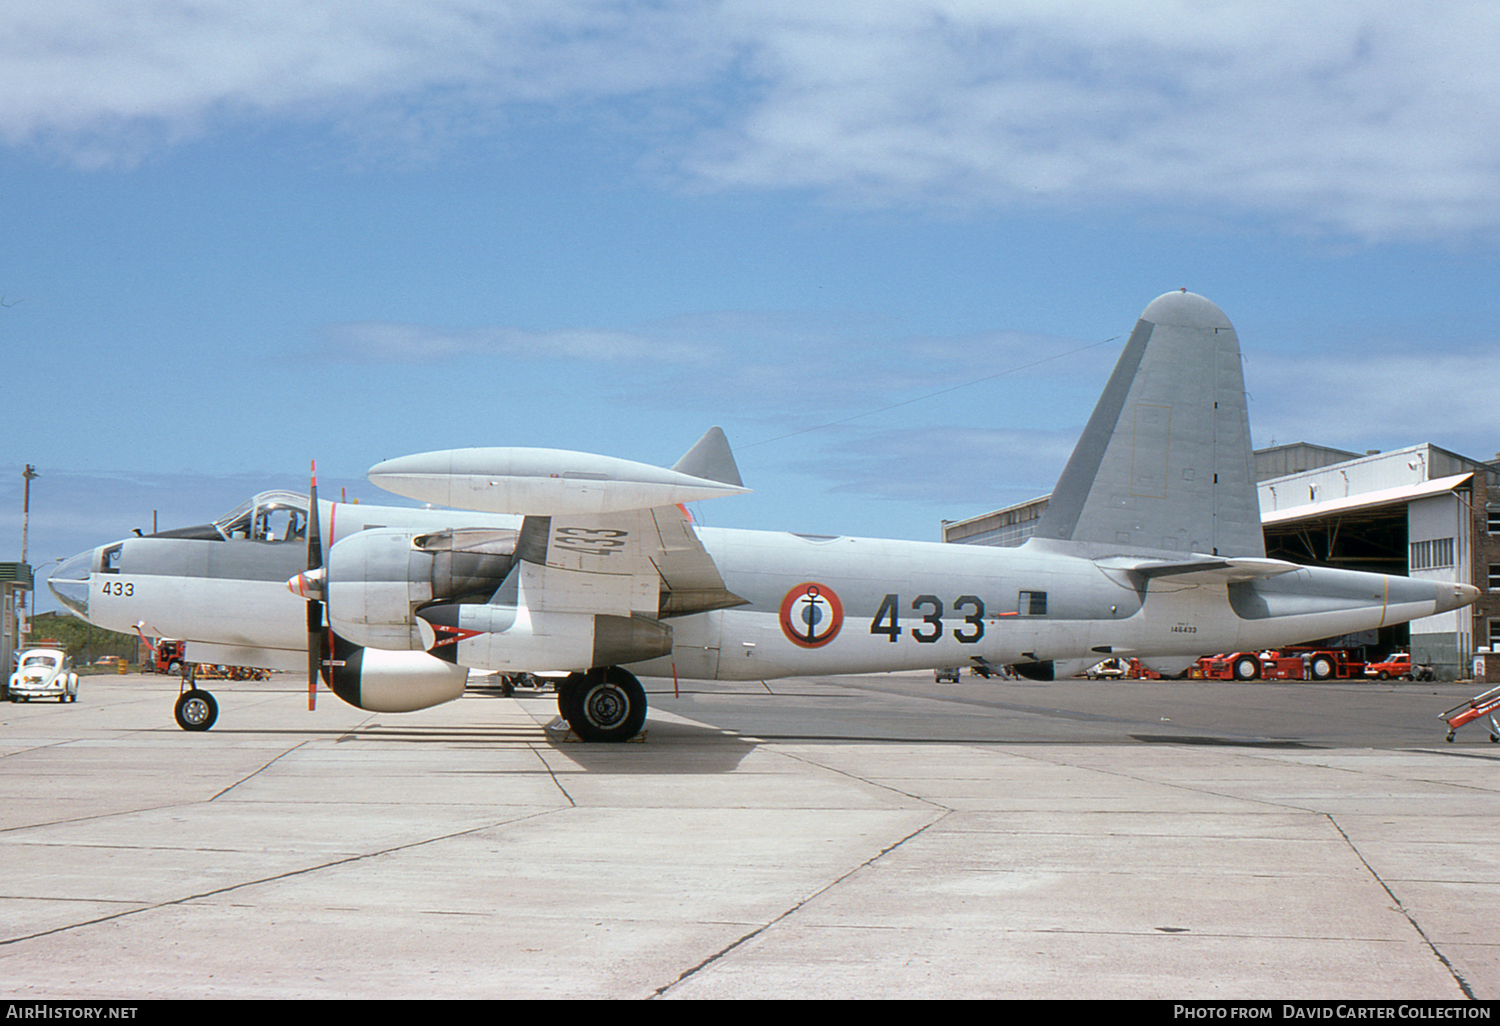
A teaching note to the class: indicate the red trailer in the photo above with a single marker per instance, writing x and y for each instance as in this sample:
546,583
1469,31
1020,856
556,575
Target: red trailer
1290,664
1332,663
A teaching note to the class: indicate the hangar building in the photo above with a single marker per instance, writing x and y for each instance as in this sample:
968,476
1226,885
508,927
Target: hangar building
1421,511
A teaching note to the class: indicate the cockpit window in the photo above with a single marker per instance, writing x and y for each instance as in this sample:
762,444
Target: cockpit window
109,562
270,516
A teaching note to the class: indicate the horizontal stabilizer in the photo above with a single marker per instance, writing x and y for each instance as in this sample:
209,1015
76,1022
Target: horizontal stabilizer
1203,571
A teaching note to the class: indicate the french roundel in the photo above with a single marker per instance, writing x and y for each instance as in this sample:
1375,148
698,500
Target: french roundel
811,615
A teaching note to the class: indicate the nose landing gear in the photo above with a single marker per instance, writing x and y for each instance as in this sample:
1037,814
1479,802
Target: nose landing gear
195,709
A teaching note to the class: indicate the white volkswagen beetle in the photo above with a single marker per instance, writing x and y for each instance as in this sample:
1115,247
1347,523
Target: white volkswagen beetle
44,673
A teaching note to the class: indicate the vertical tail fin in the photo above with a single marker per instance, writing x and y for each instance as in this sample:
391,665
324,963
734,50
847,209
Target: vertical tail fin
711,458
1165,461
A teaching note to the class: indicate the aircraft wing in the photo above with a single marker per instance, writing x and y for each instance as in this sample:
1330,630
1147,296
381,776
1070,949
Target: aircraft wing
600,535
646,562
690,580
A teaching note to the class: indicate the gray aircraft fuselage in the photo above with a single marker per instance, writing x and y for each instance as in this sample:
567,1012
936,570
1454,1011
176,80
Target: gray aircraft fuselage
814,604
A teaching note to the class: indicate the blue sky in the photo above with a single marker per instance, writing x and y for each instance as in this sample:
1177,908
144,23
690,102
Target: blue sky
242,235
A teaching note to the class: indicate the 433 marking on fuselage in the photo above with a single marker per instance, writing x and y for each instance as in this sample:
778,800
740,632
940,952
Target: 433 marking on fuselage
887,619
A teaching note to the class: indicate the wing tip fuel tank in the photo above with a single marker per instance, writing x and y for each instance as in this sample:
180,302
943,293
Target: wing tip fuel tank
552,482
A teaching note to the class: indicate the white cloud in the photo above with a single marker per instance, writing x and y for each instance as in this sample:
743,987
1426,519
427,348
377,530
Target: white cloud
1372,119
99,79
1384,403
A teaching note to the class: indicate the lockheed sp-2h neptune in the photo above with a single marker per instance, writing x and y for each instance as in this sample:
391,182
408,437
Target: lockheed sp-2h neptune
588,567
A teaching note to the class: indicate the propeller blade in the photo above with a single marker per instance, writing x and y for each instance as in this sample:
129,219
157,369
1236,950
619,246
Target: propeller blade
314,606
314,525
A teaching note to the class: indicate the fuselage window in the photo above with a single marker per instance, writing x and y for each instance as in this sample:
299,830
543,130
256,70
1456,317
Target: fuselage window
1033,603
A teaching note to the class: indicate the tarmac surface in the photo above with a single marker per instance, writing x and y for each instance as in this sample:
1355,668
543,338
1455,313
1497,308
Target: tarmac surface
861,837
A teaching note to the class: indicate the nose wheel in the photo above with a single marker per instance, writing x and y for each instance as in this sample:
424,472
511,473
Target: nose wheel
195,708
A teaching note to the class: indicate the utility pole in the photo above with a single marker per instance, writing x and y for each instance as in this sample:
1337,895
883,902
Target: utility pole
29,475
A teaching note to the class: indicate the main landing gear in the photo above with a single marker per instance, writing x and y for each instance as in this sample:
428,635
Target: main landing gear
195,709
605,704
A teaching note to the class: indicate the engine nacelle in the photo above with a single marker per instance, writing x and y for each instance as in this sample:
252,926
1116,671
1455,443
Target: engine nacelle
503,637
379,577
382,681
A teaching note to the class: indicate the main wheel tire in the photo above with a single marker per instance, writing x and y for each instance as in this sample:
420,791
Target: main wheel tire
1322,668
1246,668
565,689
196,710
607,705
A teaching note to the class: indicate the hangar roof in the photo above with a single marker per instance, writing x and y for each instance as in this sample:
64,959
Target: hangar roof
1365,500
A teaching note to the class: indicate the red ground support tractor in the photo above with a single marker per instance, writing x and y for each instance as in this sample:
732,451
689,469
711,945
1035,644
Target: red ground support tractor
166,657
1291,664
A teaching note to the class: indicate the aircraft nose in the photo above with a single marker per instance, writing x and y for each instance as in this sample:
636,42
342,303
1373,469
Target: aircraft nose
70,582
